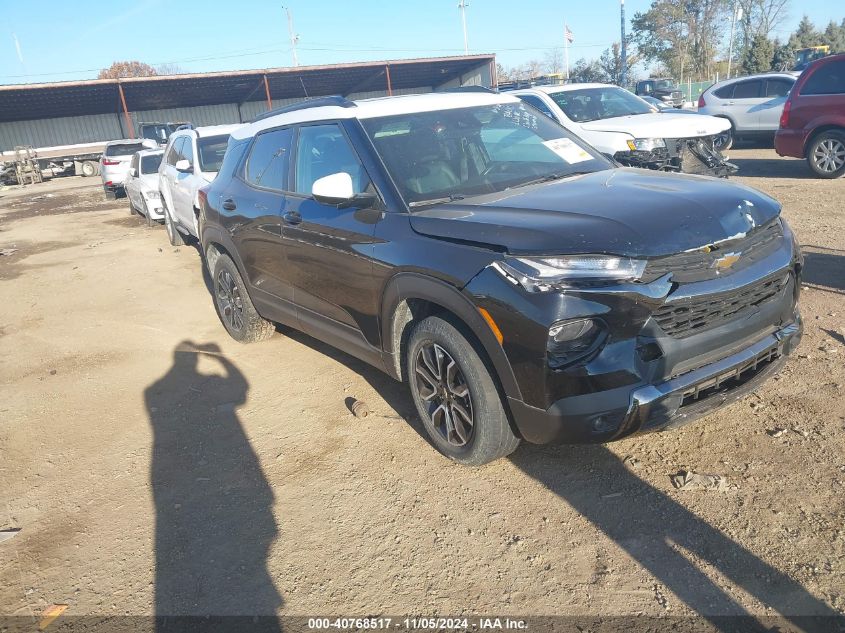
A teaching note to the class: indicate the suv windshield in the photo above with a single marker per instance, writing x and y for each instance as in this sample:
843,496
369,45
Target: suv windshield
150,163
211,150
592,104
664,84
472,151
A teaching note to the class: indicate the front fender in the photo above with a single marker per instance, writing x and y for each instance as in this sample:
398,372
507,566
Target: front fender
395,317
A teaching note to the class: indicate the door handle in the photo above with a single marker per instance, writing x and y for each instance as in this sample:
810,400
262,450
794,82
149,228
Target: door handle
229,204
292,217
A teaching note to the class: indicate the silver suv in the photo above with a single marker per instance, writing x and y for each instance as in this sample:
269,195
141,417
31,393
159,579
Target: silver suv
752,104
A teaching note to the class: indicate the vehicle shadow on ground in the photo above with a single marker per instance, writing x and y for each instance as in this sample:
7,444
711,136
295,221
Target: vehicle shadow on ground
772,168
214,521
669,541
824,268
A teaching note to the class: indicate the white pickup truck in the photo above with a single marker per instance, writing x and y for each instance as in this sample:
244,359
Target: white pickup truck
627,129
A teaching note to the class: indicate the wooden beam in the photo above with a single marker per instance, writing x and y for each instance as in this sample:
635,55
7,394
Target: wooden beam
128,118
267,92
387,74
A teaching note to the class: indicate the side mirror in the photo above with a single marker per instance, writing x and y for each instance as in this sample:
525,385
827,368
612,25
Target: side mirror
183,165
337,190
133,172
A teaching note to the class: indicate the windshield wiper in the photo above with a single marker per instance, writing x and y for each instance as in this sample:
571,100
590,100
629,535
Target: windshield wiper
425,203
549,178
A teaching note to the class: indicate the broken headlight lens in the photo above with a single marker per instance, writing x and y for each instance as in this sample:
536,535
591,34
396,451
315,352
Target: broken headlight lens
152,195
646,144
538,274
572,340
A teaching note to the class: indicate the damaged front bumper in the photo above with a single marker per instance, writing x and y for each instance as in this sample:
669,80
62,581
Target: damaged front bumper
686,155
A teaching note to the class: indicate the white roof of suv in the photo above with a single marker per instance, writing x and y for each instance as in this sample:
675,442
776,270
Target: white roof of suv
209,130
378,107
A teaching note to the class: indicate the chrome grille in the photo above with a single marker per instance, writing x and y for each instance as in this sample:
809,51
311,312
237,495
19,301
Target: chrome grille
699,265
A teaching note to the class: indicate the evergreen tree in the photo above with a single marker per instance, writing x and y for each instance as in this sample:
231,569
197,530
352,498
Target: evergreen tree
757,58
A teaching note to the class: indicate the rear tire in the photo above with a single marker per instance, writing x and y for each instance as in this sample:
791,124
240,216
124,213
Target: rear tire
173,233
826,154
234,307
89,168
455,394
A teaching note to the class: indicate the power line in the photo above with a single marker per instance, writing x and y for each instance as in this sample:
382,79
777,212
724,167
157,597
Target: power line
330,49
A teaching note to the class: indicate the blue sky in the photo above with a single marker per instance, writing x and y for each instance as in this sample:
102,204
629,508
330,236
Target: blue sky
68,40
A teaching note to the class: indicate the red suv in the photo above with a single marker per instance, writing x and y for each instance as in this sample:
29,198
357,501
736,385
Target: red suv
812,125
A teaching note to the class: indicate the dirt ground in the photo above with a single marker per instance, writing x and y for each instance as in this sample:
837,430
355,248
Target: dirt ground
153,465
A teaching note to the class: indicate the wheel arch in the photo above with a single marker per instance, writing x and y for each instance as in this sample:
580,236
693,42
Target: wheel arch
410,297
821,129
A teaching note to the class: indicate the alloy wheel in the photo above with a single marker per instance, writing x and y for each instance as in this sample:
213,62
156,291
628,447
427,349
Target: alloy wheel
829,155
229,300
445,393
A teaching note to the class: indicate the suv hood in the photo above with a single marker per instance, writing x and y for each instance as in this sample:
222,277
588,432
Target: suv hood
660,125
621,211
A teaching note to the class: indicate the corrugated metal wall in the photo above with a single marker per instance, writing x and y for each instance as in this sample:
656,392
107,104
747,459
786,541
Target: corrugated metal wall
63,131
106,127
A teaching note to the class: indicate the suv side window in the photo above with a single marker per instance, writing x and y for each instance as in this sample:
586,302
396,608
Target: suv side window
173,152
778,87
267,165
323,150
187,150
747,89
537,103
828,79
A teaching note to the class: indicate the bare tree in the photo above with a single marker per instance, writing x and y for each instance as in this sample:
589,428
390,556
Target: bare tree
170,69
553,61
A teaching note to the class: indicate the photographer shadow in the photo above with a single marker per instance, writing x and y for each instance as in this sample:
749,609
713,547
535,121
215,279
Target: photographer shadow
214,524
665,538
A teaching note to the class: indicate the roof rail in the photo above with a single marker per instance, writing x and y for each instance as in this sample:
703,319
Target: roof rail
316,102
470,89
185,126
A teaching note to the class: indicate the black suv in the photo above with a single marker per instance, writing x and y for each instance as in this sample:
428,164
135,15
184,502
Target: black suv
666,90
520,283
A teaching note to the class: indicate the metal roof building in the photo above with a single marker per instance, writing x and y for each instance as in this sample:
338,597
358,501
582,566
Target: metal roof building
67,113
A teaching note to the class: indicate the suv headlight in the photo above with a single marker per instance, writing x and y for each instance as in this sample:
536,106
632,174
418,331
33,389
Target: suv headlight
539,274
646,144
152,195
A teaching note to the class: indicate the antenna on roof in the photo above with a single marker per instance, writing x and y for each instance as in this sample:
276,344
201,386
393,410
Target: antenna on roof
294,38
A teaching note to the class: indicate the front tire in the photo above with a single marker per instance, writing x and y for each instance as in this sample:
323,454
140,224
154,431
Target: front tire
173,233
234,307
132,209
725,140
455,395
826,154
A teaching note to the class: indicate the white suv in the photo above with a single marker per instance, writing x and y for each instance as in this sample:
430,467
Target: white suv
752,104
114,163
191,161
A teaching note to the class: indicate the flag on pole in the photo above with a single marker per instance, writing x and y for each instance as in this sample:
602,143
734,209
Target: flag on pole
568,34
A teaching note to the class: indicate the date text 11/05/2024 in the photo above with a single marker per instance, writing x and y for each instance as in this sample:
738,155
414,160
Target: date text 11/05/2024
419,623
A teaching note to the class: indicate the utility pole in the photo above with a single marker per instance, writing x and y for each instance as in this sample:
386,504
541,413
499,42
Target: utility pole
462,5
731,40
623,50
293,37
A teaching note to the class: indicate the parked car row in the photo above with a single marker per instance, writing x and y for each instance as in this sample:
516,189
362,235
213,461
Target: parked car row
524,285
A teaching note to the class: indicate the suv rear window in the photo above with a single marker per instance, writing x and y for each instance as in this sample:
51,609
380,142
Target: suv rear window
828,79
124,149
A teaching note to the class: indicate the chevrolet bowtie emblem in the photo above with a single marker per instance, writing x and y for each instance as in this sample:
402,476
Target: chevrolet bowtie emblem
726,261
